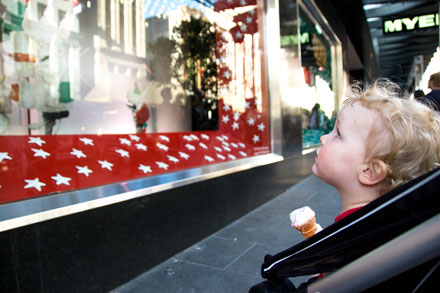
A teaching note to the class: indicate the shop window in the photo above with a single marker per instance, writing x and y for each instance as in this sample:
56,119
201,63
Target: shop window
308,66
89,98
318,108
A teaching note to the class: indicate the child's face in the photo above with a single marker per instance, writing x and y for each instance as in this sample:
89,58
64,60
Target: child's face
341,156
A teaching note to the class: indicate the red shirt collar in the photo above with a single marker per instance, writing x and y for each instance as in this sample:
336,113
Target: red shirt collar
346,213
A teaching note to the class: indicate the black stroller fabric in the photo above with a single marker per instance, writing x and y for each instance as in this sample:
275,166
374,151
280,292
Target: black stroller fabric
362,231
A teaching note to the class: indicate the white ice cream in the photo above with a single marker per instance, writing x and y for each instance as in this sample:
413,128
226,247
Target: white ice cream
300,216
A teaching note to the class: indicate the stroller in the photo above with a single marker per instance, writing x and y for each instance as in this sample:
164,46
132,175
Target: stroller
393,243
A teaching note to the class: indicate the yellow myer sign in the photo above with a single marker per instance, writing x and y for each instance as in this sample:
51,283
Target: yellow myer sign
410,23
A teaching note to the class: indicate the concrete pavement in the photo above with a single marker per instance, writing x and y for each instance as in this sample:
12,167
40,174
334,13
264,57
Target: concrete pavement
230,259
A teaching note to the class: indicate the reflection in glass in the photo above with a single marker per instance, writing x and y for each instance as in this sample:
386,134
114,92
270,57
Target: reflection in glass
114,67
310,89
319,112
161,69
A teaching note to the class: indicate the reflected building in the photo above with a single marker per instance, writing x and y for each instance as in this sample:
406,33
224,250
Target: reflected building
113,33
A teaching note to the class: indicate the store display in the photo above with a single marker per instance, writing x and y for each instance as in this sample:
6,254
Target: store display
89,99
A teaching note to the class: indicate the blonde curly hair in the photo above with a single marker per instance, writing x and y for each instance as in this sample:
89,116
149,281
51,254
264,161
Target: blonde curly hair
407,135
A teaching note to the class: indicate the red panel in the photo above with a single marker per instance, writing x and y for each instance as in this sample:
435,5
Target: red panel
37,165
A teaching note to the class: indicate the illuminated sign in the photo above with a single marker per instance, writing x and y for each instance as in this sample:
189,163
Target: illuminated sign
406,24
289,40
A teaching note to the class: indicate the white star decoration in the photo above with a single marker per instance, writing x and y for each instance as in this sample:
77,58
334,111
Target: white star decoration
184,155
238,35
190,147
232,157
86,141
236,116
202,145
61,179
40,153
134,137
256,138
225,119
165,138
221,157
122,153
226,74
209,159
162,147
125,141
173,159
251,121
84,170
106,165
141,146
34,183
261,126
4,156
145,169
36,140
162,165
243,2
226,107
218,149
205,137
77,153
234,125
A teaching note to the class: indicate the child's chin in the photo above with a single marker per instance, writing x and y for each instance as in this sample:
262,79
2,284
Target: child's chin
315,171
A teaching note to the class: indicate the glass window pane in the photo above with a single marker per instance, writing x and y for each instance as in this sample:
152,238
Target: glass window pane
111,90
318,109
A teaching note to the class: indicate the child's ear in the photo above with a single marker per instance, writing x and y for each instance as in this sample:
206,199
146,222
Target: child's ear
373,173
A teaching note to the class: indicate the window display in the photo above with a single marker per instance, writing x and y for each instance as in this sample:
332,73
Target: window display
105,91
310,72
318,111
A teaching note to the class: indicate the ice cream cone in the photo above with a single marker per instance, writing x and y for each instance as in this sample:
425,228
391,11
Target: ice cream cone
309,228
304,221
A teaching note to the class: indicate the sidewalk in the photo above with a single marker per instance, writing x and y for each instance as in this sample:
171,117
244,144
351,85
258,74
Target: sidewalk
230,259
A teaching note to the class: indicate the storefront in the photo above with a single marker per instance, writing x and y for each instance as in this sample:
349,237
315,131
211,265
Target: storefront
132,129
111,97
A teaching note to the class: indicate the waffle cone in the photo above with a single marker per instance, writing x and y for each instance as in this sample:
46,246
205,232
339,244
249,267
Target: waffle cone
309,228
